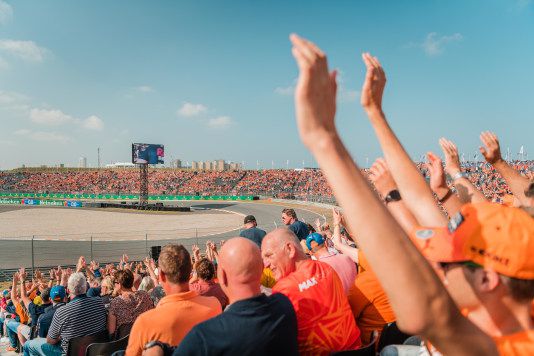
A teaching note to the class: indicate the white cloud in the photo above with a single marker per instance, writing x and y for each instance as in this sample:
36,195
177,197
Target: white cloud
190,110
6,12
54,117
434,45
26,50
43,136
289,90
10,98
93,123
50,117
144,89
220,122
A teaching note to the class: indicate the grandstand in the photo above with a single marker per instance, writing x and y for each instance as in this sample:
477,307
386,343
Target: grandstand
300,184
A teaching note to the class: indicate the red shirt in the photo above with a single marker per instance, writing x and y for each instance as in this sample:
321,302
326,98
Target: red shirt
324,318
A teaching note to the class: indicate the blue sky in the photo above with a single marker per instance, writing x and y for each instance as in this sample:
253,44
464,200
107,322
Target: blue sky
214,79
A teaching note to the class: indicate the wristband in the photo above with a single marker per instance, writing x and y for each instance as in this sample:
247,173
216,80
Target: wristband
445,197
459,175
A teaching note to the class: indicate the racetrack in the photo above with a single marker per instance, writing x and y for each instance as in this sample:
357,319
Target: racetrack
47,252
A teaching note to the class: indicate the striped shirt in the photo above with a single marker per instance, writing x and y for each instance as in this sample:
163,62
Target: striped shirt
80,317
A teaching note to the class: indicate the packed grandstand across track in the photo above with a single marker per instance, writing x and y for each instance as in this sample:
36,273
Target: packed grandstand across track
300,184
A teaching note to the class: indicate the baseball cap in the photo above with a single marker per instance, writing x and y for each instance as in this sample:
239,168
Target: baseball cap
6,292
249,218
314,236
57,293
491,235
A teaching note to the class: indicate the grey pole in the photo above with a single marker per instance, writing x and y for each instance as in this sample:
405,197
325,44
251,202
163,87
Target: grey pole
146,244
33,258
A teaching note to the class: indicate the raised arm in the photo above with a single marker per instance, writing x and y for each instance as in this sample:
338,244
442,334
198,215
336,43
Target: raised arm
412,185
386,186
14,296
23,292
338,242
450,201
491,151
428,310
467,191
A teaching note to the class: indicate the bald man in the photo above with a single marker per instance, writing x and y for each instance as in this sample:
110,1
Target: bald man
325,320
253,324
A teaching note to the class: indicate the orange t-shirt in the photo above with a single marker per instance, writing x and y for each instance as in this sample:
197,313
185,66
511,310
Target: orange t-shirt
363,265
21,312
324,319
521,343
174,316
370,305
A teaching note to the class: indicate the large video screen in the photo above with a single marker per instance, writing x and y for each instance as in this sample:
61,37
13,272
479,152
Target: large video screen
144,153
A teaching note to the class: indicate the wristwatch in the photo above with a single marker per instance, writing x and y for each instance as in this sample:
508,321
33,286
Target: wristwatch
153,343
167,349
394,195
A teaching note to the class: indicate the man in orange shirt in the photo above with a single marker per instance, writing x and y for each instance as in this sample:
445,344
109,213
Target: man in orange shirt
179,311
325,321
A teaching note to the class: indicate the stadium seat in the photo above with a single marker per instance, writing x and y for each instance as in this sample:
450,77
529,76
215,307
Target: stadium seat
123,330
107,348
391,335
78,345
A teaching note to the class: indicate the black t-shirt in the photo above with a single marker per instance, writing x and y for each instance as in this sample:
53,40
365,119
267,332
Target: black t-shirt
300,229
256,326
46,319
35,311
254,234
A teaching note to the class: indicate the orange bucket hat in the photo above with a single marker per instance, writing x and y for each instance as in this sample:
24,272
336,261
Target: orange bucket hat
492,235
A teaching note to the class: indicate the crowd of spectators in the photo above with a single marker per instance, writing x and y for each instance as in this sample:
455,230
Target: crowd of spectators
302,184
431,259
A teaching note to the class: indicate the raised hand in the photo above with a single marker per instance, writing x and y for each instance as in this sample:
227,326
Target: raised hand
373,87
437,175
381,177
315,95
318,224
336,217
491,149
81,265
22,273
38,275
452,161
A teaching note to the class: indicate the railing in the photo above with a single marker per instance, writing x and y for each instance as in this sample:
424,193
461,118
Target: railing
42,251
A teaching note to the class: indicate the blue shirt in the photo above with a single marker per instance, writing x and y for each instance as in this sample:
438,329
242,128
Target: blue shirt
300,229
256,326
253,234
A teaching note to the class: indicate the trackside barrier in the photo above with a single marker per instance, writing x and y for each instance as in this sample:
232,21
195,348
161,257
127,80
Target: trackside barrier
12,195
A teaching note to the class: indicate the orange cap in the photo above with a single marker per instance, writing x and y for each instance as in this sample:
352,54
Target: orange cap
491,235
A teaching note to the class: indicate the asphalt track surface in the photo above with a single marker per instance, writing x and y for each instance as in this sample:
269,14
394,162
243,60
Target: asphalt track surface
17,253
